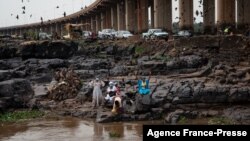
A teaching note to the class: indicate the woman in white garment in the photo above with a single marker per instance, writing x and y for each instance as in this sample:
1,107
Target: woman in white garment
97,99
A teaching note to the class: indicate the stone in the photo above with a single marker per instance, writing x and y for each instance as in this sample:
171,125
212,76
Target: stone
46,49
18,90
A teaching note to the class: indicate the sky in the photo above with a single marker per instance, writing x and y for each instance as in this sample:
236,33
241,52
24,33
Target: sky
50,9
35,9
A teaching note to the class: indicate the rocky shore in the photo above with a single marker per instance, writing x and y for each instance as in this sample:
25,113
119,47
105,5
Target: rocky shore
205,76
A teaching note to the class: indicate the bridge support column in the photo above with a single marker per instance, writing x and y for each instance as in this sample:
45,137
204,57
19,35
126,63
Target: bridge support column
130,15
62,29
98,22
142,15
226,13
21,32
243,12
52,29
186,14
108,18
163,14
89,24
93,26
121,15
209,16
59,32
152,13
114,17
103,21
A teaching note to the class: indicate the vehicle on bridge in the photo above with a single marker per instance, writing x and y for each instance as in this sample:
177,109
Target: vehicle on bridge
123,34
44,36
183,33
155,34
107,34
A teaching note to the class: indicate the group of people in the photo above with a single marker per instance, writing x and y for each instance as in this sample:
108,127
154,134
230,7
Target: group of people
114,96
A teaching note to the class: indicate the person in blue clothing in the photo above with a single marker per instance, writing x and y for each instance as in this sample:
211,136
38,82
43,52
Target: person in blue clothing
143,86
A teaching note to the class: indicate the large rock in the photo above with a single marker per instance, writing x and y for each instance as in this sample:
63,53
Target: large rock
7,52
18,92
239,114
46,49
9,74
191,61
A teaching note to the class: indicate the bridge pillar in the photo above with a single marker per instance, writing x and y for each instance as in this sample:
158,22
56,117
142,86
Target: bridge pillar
89,24
51,29
103,21
114,17
142,15
226,12
209,16
152,13
243,12
186,14
130,15
62,29
98,22
163,14
20,32
108,18
121,15
93,26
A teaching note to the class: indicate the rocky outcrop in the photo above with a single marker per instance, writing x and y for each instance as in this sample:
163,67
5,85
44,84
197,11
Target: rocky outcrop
46,49
8,52
15,93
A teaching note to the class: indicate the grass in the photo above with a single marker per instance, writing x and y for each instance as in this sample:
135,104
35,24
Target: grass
20,115
139,50
161,58
183,120
114,134
220,121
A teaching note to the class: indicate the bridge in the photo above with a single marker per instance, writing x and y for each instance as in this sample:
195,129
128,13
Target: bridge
133,15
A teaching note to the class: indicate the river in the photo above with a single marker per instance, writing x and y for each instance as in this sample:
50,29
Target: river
71,129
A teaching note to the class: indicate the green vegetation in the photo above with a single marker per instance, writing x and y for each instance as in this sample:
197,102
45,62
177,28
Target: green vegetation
31,34
114,134
139,50
20,115
220,121
183,120
162,58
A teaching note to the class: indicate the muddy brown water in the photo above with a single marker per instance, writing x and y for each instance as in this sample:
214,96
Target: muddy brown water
71,129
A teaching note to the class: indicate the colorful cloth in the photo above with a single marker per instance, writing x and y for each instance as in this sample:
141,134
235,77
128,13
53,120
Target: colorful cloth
143,87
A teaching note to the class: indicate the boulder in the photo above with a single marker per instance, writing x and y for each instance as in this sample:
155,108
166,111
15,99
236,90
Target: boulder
46,49
9,74
17,91
7,52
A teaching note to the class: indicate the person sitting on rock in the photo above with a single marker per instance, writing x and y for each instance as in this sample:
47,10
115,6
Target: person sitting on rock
117,106
111,92
143,86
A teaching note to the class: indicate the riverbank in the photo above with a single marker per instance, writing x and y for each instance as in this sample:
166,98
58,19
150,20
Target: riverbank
198,77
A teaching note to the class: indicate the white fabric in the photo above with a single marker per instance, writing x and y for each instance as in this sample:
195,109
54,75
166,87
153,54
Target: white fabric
97,93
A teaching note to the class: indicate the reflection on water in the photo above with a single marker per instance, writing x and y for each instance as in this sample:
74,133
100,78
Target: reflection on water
71,129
